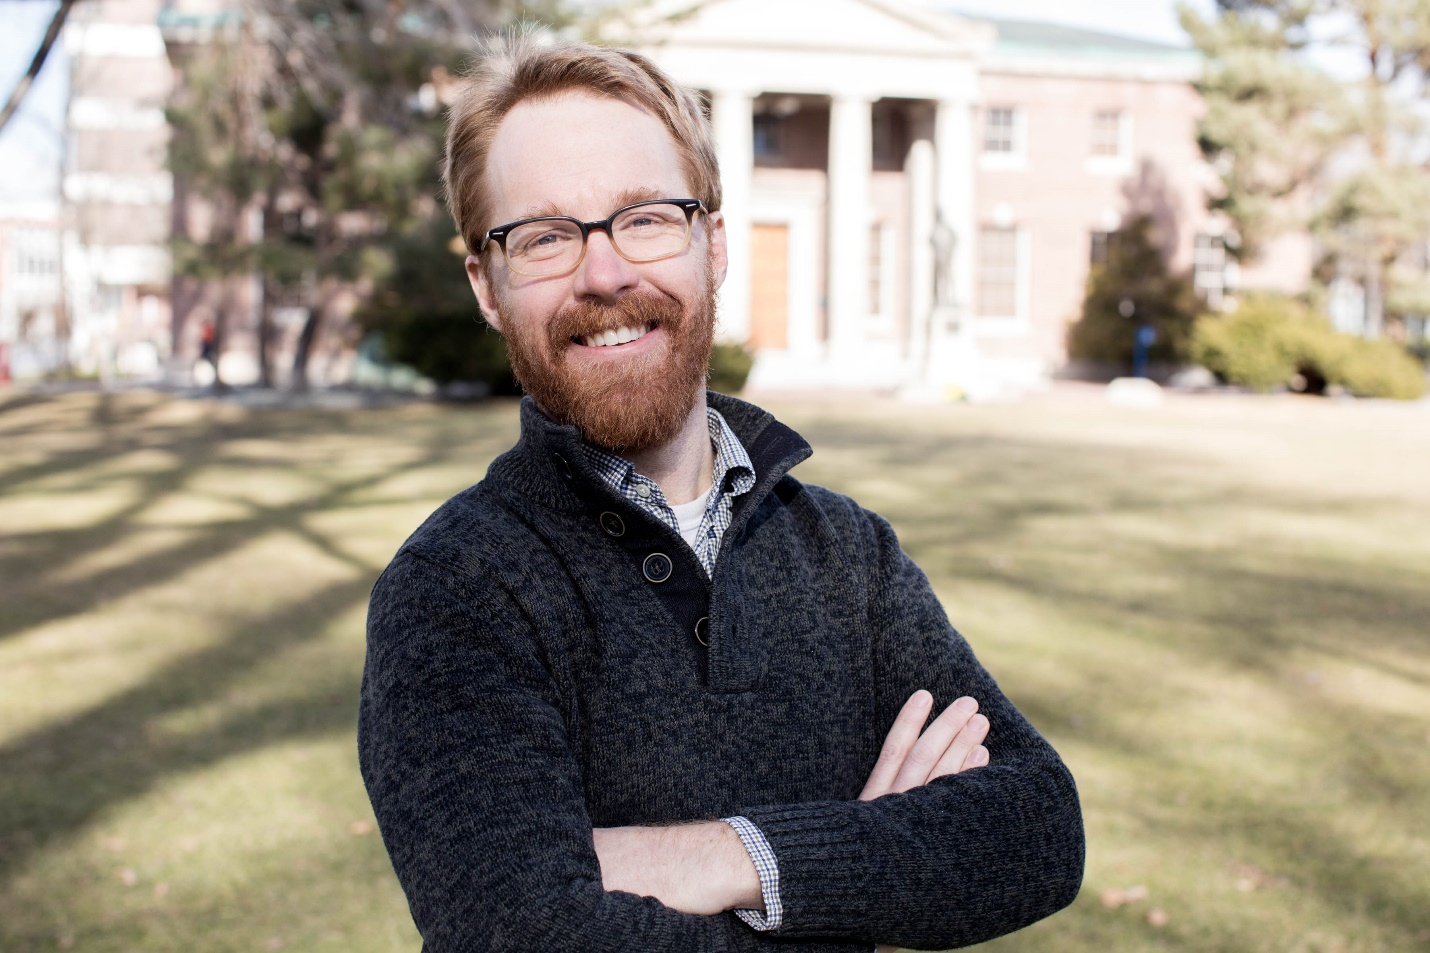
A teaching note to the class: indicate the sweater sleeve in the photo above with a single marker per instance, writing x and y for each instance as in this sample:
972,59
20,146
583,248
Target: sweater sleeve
961,860
477,794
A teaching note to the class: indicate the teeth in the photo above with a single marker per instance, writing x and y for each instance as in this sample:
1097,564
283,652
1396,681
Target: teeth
612,338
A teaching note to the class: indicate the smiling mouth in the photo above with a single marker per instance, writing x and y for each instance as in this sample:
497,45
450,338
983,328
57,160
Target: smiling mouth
614,338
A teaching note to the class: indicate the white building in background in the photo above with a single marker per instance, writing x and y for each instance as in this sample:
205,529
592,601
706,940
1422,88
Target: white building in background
31,304
84,276
117,189
914,198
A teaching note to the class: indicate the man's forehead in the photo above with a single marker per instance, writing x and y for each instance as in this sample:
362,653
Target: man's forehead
581,155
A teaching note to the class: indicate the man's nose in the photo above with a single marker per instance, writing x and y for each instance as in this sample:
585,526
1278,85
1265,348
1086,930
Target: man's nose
603,274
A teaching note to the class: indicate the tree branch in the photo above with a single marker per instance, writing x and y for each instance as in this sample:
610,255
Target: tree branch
26,81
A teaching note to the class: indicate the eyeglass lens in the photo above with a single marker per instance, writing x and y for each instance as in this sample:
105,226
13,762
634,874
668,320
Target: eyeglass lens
645,233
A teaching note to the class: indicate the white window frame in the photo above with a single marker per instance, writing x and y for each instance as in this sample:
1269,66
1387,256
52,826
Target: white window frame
1017,156
882,318
1121,163
1016,324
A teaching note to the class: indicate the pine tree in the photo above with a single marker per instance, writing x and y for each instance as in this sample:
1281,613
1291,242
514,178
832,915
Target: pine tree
1296,150
320,120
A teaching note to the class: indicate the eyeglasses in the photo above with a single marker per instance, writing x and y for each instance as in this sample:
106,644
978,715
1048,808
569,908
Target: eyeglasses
554,245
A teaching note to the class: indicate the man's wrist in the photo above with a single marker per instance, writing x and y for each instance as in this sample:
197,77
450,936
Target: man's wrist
700,868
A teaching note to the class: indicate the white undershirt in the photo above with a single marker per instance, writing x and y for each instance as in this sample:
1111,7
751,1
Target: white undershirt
688,515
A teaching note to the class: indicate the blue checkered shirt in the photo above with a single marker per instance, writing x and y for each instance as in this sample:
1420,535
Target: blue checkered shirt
734,474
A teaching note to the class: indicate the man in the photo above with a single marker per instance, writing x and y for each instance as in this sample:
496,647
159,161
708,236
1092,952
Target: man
640,689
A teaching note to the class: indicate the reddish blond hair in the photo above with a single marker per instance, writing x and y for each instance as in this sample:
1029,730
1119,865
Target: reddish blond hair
522,68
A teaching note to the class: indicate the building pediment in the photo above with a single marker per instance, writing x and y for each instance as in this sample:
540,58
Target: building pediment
851,27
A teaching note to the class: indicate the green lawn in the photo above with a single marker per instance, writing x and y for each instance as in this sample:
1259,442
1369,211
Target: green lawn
1219,612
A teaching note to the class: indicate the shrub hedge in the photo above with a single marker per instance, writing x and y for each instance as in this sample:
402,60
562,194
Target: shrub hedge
1270,340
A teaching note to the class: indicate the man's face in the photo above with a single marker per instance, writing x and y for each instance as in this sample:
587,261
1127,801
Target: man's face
586,156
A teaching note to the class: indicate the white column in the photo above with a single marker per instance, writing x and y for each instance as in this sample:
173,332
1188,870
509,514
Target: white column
851,165
953,132
923,202
732,116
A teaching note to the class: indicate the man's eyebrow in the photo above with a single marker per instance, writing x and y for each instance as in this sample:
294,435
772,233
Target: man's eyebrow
622,199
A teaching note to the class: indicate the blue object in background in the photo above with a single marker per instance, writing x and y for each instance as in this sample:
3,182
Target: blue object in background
1146,337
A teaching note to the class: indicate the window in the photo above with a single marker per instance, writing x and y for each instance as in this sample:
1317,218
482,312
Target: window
1101,245
998,272
1108,138
1209,268
1000,130
881,261
769,135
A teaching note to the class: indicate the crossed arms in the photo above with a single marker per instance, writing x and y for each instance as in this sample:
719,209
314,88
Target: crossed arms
481,802
704,867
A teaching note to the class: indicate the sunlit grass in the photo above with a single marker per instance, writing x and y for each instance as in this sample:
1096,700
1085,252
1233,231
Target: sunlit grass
1219,612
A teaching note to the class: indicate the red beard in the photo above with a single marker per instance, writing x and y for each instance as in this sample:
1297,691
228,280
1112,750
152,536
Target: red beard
626,406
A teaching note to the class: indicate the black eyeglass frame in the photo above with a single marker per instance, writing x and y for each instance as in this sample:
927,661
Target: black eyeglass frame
499,234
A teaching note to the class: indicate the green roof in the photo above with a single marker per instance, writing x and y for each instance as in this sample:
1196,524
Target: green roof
1041,38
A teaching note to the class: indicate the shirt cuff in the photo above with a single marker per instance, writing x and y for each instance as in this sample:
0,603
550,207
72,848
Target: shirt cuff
769,871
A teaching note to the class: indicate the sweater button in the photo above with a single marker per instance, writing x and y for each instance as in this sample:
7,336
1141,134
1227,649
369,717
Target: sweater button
657,567
613,524
702,631
562,466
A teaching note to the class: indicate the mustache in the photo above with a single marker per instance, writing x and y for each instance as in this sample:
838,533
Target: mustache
637,310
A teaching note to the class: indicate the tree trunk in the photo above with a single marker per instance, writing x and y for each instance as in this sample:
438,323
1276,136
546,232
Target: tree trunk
265,336
1374,299
303,350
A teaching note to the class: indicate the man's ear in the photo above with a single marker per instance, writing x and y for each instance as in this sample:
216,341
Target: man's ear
482,288
716,247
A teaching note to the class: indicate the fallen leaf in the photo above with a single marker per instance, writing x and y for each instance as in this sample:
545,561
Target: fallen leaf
1245,884
273,943
128,877
1113,897
360,828
161,890
1157,917
113,844
1136,893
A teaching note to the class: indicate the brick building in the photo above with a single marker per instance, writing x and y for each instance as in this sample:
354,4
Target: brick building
914,198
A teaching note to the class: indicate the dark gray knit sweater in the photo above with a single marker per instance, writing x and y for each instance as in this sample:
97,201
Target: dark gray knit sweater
526,681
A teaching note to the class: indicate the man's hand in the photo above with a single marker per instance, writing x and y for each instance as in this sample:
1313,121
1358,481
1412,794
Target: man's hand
953,743
700,868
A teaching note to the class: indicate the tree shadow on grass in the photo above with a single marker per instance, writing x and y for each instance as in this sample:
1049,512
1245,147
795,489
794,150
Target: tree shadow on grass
1153,548
28,558
58,779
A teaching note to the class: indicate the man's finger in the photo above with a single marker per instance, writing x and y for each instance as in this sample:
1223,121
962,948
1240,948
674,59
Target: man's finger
959,756
902,737
930,747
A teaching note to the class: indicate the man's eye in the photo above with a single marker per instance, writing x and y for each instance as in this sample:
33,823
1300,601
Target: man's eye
542,243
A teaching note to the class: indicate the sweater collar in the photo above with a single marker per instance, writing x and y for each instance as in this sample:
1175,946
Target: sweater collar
547,464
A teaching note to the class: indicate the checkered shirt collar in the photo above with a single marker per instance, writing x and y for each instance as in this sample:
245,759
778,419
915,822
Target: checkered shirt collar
734,473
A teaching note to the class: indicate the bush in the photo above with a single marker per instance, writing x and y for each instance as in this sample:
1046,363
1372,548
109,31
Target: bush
1379,369
730,367
1135,269
1270,340
428,318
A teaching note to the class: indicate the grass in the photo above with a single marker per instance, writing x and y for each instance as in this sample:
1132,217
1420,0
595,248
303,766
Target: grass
1219,612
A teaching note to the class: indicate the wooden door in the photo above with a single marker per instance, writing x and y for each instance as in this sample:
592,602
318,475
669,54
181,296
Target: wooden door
769,287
